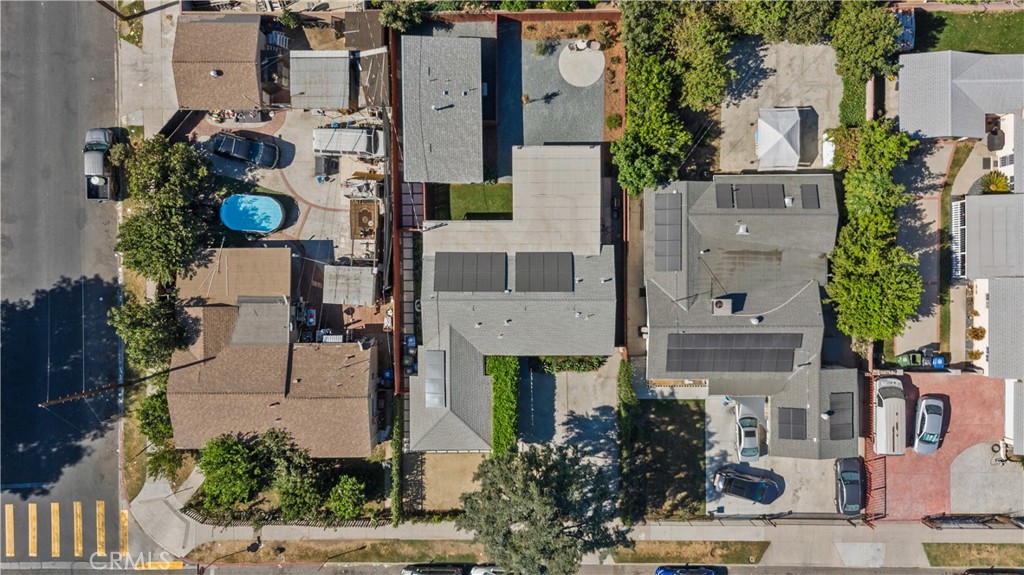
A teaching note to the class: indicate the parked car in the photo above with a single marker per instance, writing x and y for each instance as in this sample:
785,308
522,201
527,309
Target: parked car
890,417
684,570
235,147
928,427
99,173
849,485
434,569
730,481
487,569
748,445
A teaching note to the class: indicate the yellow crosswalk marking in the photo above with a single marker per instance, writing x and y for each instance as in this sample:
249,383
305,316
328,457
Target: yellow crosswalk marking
55,529
78,529
124,533
33,530
161,566
101,525
9,530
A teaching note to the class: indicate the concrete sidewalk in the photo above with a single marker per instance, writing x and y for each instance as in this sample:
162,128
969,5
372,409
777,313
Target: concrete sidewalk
146,95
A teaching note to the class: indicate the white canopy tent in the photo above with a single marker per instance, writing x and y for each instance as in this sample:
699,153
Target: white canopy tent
778,138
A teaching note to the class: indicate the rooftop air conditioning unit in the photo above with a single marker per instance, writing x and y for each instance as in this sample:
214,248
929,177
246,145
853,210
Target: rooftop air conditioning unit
721,306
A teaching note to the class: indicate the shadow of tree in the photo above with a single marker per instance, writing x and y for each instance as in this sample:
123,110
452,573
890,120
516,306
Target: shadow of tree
746,58
918,237
413,488
53,345
536,405
593,433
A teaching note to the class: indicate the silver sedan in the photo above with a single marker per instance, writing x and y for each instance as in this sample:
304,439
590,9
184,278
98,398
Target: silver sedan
928,426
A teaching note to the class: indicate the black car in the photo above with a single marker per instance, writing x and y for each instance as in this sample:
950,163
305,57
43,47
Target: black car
235,147
754,488
849,486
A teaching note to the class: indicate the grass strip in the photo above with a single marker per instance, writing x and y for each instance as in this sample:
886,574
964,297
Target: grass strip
374,551
974,554
721,552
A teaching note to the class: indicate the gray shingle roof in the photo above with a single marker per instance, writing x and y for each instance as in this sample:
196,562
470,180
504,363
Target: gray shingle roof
995,235
1006,328
320,79
948,94
442,109
815,399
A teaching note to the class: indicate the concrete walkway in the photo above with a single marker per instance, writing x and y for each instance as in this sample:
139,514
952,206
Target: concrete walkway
146,95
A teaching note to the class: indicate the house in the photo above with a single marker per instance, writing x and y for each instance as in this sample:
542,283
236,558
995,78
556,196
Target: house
217,62
243,372
539,284
992,238
966,95
442,109
734,272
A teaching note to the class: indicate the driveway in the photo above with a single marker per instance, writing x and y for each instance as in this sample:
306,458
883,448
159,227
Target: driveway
571,408
960,476
804,485
923,176
778,75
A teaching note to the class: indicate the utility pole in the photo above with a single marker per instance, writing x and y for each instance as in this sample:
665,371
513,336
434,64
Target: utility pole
112,9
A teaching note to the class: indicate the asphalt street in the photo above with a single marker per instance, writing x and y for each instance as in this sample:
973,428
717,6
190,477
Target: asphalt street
57,281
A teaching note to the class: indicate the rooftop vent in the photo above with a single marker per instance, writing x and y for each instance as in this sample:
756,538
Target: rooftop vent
721,306
743,231
216,73
789,201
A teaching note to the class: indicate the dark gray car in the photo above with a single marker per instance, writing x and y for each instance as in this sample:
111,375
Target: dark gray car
233,146
849,485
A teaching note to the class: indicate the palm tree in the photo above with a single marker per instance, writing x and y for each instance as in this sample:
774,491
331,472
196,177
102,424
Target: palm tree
995,183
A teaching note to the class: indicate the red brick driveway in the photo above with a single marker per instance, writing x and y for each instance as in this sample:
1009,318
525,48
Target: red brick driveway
918,485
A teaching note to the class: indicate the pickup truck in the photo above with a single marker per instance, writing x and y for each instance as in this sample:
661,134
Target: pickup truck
742,485
99,174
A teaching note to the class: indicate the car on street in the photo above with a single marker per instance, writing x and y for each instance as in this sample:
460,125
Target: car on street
253,152
928,426
685,570
487,569
849,485
434,569
730,481
748,445
99,172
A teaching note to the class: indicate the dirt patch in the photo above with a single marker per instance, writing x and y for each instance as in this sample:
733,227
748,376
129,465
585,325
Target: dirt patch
390,551
728,552
670,458
324,39
134,448
435,481
974,554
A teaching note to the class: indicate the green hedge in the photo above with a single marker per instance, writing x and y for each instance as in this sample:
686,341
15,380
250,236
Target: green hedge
505,373
630,504
397,510
854,102
557,363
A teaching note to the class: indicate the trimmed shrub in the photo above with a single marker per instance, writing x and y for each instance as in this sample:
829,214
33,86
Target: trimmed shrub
613,121
504,370
557,363
397,506
155,418
347,498
976,333
514,5
852,106
975,355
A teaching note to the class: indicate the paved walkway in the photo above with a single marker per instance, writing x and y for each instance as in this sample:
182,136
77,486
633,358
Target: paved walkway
146,95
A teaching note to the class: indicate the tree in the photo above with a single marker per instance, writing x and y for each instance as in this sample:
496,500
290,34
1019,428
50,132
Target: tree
289,19
865,37
160,241
150,330
401,15
560,5
875,285
514,5
881,146
702,44
541,510
808,21
155,418
766,18
231,470
872,192
164,461
297,488
347,498
162,174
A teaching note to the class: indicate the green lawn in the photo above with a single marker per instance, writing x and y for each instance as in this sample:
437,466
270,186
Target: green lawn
131,30
721,552
974,554
471,202
669,458
989,32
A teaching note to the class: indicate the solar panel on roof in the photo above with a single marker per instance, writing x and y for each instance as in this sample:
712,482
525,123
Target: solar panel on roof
760,194
433,373
776,196
732,352
809,196
544,272
668,232
469,271
841,420
792,423
723,196
744,196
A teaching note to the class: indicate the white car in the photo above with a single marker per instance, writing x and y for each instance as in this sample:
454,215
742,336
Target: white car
487,570
748,443
928,431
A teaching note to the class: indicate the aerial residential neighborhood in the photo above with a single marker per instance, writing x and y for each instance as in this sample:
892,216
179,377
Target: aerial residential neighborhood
487,287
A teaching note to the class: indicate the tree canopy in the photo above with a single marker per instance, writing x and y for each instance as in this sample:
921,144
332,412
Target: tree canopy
401,15
155,418
233,475
766,18
541,510
160,241
347,498
865,36
151,331
162,174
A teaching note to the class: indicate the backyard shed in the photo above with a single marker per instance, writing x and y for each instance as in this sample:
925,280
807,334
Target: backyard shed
320,79
778,138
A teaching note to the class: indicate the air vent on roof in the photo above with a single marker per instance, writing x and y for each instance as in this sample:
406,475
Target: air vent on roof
216,73
743,230
721,306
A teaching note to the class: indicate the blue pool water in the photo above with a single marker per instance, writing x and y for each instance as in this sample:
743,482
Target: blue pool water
245,213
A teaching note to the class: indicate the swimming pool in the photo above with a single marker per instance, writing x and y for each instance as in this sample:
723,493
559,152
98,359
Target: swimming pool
247,213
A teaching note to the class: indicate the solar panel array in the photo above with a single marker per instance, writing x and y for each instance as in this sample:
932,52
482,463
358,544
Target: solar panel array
544,271
668,232
809,197
792,423
841,421
467,271
433,372
750,196
732,352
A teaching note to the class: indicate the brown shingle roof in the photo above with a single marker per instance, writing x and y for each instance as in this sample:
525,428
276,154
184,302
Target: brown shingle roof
229,43
320,393
231,272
